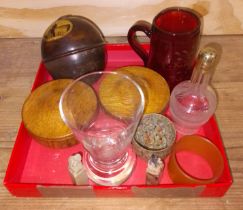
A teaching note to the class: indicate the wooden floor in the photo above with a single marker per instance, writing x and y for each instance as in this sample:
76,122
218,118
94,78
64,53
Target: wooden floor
19,60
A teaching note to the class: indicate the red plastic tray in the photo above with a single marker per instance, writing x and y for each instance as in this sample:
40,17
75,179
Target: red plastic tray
36,171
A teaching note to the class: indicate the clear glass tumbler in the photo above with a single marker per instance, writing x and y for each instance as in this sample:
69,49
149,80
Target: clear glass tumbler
103,110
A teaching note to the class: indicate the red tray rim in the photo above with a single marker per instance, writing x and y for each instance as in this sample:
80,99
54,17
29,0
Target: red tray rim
10,184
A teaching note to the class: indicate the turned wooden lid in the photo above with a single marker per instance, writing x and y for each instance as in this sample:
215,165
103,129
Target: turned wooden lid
120,99
154,86
41,116
119,96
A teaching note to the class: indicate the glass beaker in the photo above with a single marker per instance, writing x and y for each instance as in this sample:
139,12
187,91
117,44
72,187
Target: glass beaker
103,110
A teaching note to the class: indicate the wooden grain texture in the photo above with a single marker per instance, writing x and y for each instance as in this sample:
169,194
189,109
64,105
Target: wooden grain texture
29,18
154,86
41,116
19,59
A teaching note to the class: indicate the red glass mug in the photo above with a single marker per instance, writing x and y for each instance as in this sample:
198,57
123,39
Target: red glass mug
174,42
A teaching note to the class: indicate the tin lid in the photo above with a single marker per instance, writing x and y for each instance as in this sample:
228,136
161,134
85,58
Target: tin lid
70,34
155,132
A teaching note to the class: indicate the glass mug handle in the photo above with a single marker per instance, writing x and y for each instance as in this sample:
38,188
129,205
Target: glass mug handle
144,27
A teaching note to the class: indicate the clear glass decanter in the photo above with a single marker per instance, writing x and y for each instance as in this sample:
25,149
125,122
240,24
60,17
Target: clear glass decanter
194,101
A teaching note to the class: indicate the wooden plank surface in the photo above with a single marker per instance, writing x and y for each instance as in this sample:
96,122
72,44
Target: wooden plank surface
29,18
19,60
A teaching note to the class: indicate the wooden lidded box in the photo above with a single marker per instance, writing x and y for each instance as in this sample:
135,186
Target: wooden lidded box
41,115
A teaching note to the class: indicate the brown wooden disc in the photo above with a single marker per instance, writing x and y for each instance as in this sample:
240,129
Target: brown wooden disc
41,117
119,96
79,105
155,88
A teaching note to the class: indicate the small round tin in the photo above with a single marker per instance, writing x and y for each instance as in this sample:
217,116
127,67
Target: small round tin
72,46
155,135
